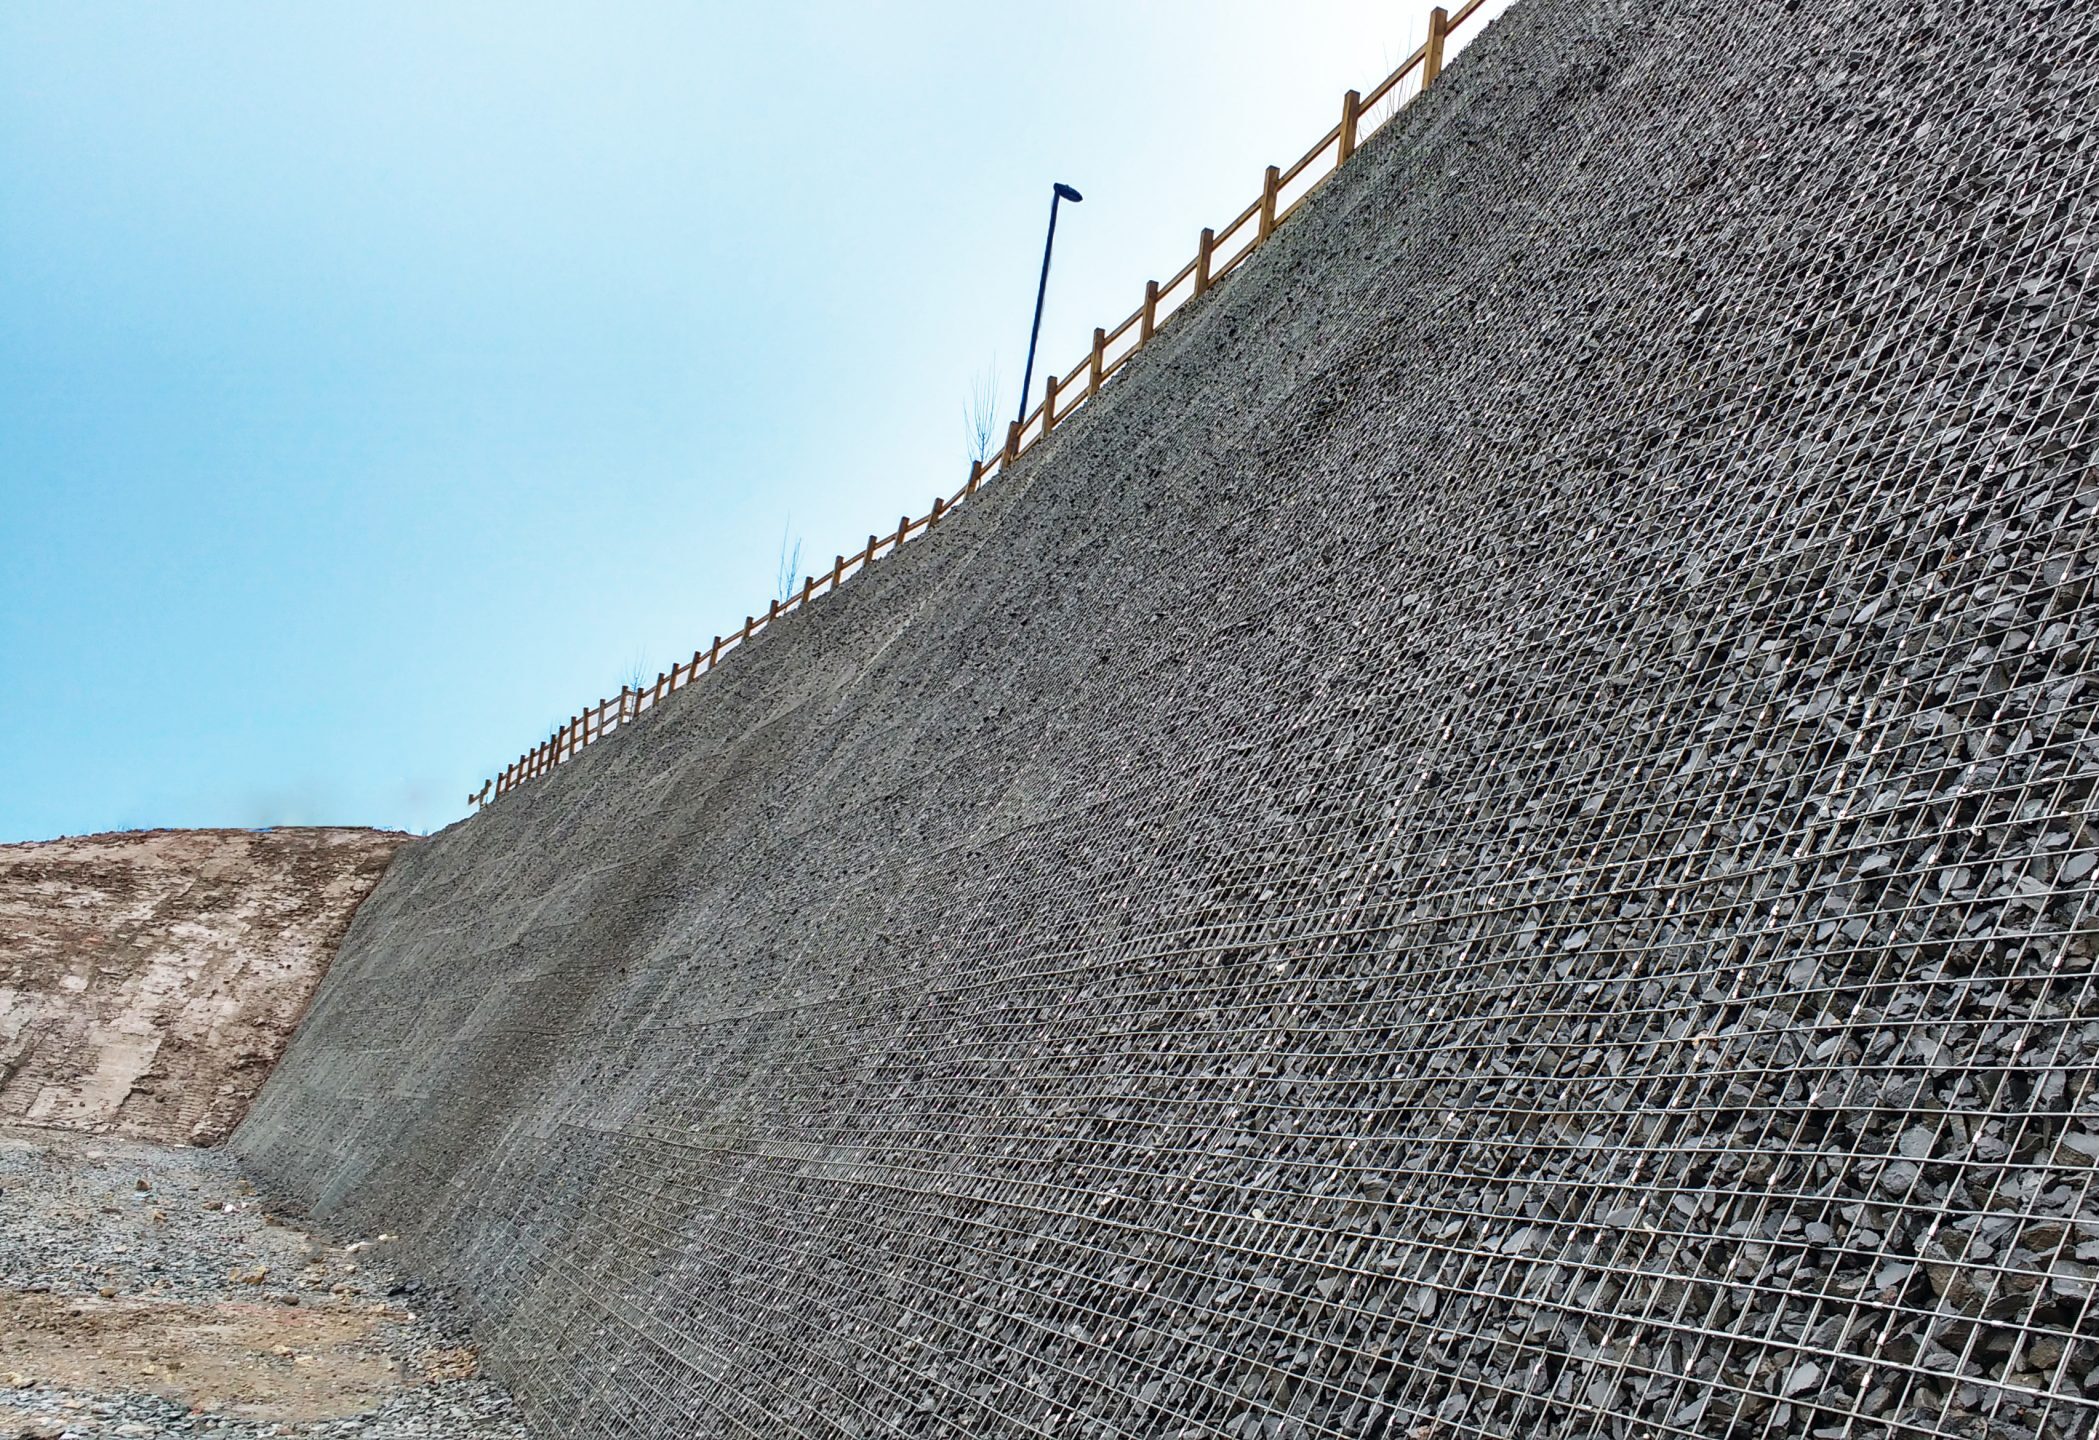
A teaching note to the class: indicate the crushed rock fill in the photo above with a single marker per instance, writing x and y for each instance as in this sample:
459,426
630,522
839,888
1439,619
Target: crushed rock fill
146,1290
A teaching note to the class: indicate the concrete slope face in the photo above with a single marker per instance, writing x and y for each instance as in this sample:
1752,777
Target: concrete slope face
149,979
1494,842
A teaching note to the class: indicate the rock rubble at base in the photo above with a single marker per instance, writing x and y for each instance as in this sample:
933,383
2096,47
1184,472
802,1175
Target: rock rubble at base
145,1291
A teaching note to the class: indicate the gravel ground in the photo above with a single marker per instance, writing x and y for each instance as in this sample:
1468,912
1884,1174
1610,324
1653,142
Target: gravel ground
145,1291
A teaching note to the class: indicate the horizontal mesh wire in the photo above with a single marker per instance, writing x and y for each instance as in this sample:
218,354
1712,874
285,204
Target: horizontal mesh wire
1496,842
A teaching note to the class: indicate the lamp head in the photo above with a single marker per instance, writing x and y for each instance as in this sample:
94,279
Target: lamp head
1065,192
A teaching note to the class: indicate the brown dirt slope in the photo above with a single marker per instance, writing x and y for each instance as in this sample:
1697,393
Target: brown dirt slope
149,979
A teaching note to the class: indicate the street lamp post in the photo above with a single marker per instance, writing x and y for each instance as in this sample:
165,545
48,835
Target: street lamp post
1061,193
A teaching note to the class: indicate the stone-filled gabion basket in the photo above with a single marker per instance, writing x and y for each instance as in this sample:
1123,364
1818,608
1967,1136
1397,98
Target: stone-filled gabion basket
1495,841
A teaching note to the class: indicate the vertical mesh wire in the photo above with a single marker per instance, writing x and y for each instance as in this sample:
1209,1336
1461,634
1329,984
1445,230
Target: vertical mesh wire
1499,844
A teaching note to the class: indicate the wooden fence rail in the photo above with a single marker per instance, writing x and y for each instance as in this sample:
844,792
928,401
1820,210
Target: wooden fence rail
1218,253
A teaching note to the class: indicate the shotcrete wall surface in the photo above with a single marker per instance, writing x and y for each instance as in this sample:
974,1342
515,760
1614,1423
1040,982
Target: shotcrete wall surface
149,978
1495,841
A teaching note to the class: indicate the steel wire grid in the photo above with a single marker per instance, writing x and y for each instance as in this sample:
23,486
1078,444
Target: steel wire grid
1566,912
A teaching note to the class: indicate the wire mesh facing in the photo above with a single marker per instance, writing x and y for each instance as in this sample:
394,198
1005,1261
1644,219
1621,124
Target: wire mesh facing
1502,846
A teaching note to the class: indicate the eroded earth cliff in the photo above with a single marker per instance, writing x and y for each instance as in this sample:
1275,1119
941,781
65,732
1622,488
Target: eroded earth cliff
149,979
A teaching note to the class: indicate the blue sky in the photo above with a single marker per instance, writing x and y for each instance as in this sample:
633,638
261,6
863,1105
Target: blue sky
381,384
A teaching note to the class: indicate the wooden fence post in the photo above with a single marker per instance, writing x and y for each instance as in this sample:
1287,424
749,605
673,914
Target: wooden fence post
1432,48
573,736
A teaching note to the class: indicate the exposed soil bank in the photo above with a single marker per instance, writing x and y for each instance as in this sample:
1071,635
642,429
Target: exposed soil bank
149,979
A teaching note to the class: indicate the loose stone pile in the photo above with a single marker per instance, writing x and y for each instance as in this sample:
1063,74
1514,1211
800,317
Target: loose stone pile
146,1291
1497,841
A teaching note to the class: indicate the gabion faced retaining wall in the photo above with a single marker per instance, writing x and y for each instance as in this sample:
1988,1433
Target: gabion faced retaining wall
1498,843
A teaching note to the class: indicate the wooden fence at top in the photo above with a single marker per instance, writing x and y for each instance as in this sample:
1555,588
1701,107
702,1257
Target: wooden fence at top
1217,253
